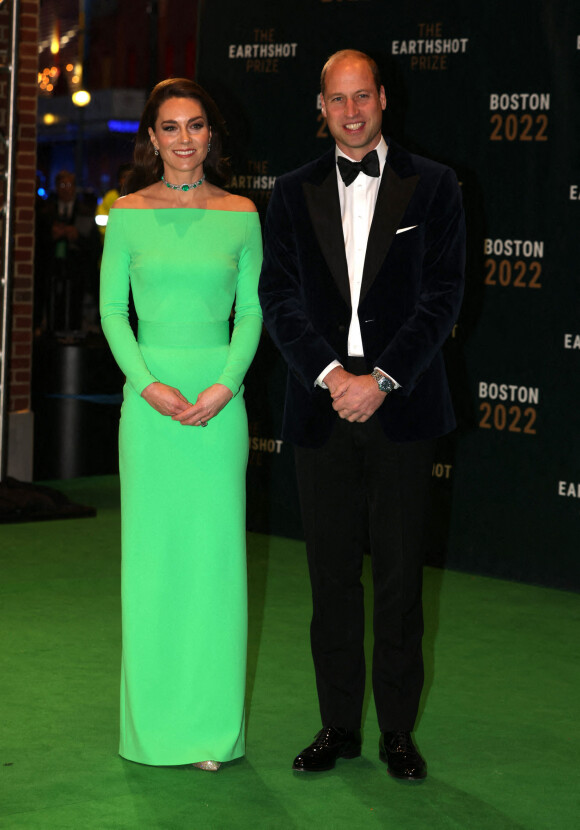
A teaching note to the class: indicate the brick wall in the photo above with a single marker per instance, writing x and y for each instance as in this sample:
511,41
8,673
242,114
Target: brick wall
24,194
4,42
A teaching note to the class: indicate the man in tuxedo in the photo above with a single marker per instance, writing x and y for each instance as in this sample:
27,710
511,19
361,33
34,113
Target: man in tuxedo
68,256
361,285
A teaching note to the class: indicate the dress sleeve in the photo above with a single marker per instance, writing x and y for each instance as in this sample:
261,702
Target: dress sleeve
114,303
248,315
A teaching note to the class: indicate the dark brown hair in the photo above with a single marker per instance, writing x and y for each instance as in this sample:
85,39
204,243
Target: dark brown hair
351,53
148,167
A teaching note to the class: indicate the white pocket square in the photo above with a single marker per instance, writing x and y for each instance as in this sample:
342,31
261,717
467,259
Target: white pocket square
410,228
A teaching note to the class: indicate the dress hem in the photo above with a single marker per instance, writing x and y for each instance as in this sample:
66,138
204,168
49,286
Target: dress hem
179,763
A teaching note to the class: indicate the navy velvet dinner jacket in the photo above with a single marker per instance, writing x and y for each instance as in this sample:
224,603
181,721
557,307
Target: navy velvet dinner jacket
410,295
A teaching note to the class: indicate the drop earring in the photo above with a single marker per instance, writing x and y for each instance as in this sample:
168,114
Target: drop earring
208,146
156,151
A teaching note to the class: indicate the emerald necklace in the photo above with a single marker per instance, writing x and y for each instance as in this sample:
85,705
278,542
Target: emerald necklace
184,187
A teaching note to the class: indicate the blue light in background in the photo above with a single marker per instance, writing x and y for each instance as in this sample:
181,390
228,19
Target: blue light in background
123,126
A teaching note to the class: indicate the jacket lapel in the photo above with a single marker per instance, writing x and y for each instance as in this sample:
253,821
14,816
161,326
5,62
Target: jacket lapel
393,197
321,194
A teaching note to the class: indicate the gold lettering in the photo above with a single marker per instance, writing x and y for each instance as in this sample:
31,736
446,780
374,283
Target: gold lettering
264,35
499,417
430,29
266,65
257,167
435,63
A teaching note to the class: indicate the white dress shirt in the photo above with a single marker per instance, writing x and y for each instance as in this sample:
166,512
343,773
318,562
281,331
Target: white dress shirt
64,209
357,207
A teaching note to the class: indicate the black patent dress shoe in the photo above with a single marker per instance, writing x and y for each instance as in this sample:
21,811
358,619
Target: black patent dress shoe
332,742
398,751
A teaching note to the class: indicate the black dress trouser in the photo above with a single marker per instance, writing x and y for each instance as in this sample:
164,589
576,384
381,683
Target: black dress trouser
360,486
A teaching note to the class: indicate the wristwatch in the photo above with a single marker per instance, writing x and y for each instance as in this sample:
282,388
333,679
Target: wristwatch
385,384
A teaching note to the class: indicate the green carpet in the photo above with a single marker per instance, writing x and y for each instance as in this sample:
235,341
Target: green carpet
498,725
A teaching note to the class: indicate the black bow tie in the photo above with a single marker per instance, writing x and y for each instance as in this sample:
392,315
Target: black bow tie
349,170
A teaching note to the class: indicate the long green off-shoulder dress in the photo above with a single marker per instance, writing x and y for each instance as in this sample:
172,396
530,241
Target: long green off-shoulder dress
182,487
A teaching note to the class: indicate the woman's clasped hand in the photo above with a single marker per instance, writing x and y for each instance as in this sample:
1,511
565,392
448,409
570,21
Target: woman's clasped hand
170,402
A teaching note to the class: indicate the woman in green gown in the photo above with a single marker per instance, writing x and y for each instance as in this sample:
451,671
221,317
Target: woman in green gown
189,252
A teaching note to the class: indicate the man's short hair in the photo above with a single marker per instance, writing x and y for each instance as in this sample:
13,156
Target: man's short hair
351,53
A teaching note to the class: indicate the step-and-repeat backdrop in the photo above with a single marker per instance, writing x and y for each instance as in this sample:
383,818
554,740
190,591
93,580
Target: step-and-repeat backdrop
491,89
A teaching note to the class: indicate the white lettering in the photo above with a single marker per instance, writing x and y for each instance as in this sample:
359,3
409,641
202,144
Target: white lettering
519,101
509,392
528,248
262,50
253,182
568,489
572,341
574,191
270,445
428,47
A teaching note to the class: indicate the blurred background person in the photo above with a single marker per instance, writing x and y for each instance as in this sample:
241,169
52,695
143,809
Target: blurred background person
68,256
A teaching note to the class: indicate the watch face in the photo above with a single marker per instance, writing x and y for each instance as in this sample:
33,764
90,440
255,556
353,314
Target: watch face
385,384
